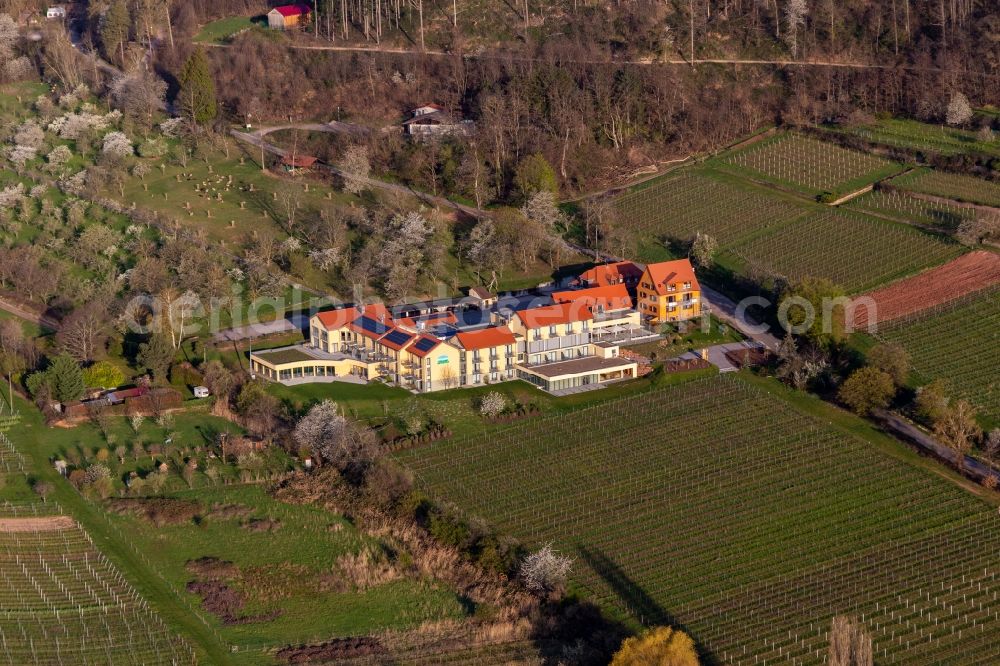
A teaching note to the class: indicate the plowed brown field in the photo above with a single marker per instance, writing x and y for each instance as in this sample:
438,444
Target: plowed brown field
36,524
969,273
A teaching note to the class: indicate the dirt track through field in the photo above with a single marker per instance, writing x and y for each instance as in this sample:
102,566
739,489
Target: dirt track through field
36,524
644,62
968,274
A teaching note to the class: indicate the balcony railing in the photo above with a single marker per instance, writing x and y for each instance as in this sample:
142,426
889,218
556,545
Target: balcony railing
612,314
557,343
559,359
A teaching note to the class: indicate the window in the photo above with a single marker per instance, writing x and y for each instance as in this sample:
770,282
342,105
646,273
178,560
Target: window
552,331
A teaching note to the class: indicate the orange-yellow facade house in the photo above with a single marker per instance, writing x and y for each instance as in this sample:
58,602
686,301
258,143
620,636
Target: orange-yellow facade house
668,291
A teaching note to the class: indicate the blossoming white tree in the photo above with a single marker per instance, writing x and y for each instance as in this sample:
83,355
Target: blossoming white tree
545,571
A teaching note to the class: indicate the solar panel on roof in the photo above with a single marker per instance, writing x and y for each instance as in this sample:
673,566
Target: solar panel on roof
425,344
397,337
373,326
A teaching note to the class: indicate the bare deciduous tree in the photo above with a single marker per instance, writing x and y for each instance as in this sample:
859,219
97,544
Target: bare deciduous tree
84,332
850,644
139,96
355,167
979,227
333,439
795,17
957,429
541,208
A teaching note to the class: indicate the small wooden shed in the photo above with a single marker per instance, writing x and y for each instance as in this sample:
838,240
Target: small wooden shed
294,163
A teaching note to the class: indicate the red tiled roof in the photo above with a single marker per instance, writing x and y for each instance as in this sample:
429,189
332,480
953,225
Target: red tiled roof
485,338
292,10
431,320
612,297
559,313
671,272
341,317
333,319
608,274
377,311
302,161
128,393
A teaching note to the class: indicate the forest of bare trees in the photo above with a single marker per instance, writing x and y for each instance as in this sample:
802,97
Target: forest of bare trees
576,81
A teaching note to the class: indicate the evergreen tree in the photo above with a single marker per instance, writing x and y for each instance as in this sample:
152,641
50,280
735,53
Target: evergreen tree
114,31
155,355
65,378
197,93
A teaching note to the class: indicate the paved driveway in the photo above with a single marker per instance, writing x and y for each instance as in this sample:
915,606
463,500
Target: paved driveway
725,309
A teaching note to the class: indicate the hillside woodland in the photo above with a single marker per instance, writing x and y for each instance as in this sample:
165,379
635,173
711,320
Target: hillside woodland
581,83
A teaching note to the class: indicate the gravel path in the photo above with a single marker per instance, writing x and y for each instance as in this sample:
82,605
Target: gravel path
36,524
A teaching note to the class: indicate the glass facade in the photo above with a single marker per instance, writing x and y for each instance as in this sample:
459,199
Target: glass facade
558,384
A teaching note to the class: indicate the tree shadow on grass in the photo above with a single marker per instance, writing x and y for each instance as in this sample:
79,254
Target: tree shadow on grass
635,600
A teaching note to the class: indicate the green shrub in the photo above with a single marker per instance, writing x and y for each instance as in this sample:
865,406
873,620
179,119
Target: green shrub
448,530
153,148
103,375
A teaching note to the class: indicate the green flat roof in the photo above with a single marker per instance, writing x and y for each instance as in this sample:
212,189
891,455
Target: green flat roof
282,356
